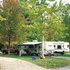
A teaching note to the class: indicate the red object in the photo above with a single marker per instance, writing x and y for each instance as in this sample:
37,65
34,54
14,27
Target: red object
12,50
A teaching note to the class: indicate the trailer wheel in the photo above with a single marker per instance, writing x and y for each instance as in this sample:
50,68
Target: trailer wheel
4,52
62,53
49,54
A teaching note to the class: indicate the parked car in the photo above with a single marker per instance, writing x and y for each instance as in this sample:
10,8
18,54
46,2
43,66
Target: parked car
12,50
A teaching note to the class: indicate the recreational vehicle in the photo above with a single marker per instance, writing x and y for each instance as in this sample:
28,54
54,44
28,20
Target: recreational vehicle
57,47
32,48
49,47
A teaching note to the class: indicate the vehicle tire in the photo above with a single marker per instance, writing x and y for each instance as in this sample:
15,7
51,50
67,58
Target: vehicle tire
31,54
16,52
49,54
4,52
62,53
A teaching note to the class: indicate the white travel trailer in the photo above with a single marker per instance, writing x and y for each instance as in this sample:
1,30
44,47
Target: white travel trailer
56,47
49,47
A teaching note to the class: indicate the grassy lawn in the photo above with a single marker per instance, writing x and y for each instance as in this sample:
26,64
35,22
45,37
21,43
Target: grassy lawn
65,55
48,62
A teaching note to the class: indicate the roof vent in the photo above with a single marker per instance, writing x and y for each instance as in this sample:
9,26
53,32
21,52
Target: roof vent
35,41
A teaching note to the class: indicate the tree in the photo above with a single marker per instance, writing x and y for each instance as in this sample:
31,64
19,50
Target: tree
33,13
49,18
11,28
66,21
43,20
1,19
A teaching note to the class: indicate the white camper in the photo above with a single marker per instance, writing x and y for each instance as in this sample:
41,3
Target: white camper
56,47
49,47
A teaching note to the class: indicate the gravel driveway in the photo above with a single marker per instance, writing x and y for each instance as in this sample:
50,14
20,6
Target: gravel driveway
17,64
67,58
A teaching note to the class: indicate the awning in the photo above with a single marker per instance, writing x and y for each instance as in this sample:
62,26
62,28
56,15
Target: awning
29,43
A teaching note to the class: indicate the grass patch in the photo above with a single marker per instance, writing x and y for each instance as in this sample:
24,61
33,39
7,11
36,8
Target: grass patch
48,62
65,55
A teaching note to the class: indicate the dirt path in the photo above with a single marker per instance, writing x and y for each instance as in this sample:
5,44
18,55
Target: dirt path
63,68
67,58
17,64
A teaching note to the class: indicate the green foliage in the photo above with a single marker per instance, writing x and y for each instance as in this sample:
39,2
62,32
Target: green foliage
55,24
65,55
37,19
51,0
33,13
33,32
47,20
2,19
10,29
66,21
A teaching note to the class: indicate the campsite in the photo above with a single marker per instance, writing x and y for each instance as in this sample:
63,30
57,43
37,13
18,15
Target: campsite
34,34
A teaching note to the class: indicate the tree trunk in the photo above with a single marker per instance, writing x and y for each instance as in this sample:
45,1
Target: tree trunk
9,46
43,47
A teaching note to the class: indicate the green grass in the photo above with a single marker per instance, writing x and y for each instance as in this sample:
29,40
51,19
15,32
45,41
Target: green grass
65,55
48,62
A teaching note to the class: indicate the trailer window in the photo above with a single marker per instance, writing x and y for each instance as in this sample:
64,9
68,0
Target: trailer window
39,47
31,46
58,46
67,46
54,46
50,45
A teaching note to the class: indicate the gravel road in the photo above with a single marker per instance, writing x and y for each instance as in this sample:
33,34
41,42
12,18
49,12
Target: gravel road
67,58
17,64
